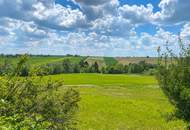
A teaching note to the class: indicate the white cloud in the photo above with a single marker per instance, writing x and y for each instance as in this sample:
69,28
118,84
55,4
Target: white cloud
137,14
41,26
113,26
173,12
91,2
59,17
43,12
98,8
185,31
28,37
185,34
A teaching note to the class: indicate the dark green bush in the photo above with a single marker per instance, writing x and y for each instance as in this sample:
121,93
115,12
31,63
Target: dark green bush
33,102
94,68
174,79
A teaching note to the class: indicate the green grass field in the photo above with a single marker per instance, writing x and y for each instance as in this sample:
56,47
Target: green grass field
34,60
115,102
121,102
110,61
39,60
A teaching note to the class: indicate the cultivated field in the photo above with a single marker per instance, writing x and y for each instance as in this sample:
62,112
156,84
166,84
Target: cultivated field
99,60
121,102
127,60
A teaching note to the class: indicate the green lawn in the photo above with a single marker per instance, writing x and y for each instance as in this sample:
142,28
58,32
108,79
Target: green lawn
121,102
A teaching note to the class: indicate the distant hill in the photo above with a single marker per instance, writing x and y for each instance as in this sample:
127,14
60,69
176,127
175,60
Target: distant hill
110,60
102,61
39,60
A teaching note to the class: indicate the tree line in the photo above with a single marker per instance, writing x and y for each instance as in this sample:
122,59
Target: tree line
67,66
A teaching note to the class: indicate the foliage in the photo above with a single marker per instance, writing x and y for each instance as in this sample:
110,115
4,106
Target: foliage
83,67
94,68
150,72
31,102
174,79
6,67
140,67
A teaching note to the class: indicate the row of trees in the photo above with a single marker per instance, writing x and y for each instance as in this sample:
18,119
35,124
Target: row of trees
67,66
84,67
141,67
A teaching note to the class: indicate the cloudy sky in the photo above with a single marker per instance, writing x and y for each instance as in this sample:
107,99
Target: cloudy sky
92,27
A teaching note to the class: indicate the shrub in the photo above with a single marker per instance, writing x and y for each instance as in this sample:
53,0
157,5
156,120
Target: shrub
6,67
150,72
174,79
67,66
33,102
94,68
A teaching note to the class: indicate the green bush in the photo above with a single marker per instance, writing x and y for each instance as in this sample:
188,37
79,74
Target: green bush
150,72
33,102
94,68
5,67
174,79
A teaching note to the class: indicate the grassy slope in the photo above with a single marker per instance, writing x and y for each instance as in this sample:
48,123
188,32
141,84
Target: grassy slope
102,61
76,59
43,60
33,60
110,102
36,60
110,61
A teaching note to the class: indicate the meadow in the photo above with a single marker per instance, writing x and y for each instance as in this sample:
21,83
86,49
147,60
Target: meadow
114,101
121,102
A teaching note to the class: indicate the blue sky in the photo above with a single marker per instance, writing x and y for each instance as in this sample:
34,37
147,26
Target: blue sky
92,27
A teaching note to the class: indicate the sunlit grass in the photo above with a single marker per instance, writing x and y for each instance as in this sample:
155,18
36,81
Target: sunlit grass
111,102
